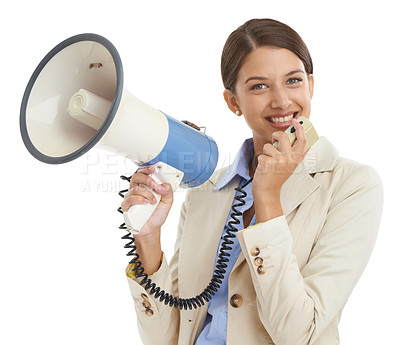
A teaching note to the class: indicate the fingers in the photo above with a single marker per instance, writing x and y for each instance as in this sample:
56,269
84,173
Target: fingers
142,187
269,150
142,177
300,142
167,194
137,195
284,142
133,199
285,153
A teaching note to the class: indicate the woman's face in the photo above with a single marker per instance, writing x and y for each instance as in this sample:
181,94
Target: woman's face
272,88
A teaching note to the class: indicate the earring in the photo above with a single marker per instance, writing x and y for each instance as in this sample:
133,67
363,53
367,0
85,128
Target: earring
237,112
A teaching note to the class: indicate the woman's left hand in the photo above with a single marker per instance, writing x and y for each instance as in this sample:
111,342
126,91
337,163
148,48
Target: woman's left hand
275,166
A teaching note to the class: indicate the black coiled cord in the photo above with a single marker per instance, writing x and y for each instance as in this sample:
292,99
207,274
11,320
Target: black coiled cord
220,267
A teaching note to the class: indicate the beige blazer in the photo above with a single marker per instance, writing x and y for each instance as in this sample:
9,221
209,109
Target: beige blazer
310,258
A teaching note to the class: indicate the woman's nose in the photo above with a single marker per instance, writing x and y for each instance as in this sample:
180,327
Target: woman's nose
280,99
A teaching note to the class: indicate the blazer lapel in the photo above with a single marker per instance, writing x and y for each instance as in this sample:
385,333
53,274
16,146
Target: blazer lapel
298,187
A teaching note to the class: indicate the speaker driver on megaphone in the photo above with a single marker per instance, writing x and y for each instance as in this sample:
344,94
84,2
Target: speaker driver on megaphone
75,100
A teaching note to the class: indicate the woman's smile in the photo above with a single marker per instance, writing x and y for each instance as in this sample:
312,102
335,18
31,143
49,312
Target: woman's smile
282,121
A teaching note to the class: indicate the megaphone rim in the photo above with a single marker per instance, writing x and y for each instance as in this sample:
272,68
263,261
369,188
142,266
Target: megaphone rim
113,109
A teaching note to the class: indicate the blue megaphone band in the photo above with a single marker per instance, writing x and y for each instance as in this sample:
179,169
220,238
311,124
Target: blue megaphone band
190,151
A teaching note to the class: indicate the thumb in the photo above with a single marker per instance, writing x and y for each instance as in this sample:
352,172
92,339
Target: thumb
166,192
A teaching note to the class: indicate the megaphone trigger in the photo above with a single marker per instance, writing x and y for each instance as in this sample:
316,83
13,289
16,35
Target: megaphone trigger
138,215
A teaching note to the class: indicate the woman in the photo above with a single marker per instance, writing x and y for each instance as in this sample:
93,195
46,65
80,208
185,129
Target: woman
309,221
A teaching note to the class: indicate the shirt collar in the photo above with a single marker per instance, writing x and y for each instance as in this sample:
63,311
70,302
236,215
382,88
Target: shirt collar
240,166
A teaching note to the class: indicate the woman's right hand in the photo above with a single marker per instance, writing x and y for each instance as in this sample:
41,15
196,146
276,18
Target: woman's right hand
139,195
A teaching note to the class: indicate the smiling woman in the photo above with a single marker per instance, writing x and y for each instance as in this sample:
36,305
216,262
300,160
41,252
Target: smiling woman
310,218
272,88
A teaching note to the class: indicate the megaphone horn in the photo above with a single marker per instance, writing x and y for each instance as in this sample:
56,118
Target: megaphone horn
75,99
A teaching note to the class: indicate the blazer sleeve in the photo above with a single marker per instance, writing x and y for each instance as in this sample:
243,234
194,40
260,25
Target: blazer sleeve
297,306
157,322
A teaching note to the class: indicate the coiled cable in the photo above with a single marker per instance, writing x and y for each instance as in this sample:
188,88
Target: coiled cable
219,270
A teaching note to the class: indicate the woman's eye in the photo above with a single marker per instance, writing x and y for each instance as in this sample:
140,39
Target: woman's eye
258,87
294,80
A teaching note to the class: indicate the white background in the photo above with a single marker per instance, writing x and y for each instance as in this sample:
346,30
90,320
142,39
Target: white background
61,256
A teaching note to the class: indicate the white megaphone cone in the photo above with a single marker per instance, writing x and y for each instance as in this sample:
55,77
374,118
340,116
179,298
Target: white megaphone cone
75,99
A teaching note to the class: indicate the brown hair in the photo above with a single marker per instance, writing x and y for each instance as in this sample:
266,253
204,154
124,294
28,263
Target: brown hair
257,33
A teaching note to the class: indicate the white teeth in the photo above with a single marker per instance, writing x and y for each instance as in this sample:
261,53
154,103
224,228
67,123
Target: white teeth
281,119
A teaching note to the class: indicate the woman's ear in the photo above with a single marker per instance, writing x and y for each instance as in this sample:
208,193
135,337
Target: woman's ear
311,85
231,101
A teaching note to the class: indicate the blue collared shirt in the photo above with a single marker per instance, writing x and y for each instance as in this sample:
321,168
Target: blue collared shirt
215,327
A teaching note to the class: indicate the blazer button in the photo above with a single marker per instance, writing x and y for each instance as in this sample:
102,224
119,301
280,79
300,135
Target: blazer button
258,261
236,301
255,251
261,269
146,304
149,312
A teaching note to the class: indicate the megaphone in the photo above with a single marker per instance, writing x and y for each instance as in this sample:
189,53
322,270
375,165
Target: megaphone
75,99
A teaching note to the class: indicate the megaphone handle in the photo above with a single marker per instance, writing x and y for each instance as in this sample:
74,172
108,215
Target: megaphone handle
139,214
